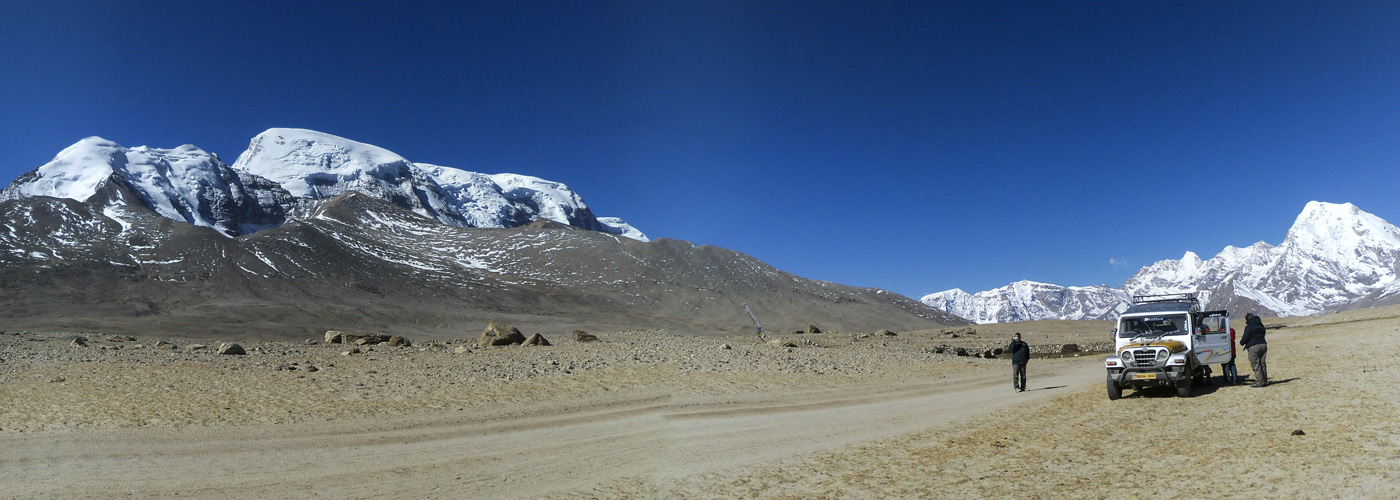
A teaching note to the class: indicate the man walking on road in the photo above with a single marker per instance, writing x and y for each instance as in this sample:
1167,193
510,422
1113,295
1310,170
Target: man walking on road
1020,355
1253,342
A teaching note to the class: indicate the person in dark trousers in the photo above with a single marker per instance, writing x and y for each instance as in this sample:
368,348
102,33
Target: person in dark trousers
1229,372
1253,342
1020,355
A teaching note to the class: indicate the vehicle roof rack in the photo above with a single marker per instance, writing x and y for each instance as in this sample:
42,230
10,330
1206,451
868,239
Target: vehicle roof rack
1171,297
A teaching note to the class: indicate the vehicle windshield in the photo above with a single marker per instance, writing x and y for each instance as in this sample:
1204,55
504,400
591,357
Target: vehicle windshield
1166,324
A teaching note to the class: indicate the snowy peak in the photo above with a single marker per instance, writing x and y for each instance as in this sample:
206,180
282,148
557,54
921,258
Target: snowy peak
185,184
317,165
74,174
1333,228
1029,300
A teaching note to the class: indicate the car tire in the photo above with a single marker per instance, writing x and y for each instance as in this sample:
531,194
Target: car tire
1114,392
1183,388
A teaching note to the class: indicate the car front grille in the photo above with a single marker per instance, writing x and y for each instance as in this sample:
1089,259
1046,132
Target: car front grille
1145,357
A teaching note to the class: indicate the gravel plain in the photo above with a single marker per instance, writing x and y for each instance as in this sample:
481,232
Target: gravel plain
657,414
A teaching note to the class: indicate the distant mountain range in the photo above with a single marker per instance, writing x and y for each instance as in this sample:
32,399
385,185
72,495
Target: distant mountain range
308,231
1334,257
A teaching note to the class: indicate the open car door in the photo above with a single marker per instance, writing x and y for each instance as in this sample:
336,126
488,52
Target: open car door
1211,335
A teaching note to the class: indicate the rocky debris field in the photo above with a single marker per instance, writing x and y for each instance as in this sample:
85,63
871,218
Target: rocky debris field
63,380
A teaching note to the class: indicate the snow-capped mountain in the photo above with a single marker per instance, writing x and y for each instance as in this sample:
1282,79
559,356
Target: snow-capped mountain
1332,256
184,184
283,169
1029,300
1335,256
317,165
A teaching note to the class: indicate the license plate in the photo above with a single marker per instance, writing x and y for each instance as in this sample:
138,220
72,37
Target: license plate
1144,376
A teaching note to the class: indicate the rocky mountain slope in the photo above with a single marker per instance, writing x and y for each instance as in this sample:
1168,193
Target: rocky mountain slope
113,263
1334,257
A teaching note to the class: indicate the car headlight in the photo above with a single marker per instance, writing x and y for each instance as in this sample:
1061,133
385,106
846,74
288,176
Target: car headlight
1161,355
1127,357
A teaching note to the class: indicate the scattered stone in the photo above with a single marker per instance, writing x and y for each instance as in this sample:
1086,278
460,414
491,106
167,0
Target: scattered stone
961,352
119,338
497,334
1299,432
78,342
61,379
397,341
196,347
353,350
366,339
998,351
462,350
231,349
797,332
310,368
1069,349
725,347
887,333
311,342
582,336
782,343
813,329
862,335
334,336
940,349
537,339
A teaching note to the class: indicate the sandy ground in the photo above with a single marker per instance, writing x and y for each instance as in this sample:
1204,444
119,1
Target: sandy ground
658,415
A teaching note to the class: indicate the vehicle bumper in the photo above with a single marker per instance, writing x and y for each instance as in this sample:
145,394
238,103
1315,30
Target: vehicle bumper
1147,377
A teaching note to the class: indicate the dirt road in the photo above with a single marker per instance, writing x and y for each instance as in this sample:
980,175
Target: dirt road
645,441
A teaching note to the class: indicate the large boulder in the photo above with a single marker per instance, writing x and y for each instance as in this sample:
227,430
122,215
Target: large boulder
500,334
537,339
228,348
368,339
357,338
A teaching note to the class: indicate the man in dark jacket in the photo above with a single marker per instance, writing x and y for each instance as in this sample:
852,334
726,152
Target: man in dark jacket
1020,355
1253,342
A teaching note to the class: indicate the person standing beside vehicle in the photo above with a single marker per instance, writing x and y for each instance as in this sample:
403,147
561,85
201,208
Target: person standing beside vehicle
1228,370
1254,344
1020,355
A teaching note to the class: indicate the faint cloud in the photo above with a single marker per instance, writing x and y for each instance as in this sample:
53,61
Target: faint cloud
1117,263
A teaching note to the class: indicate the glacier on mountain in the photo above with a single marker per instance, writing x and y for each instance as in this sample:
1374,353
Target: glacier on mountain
283,168
318,165
1334,256
184,184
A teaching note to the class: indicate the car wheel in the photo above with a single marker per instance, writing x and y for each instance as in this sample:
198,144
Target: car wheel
1114,392
1183,388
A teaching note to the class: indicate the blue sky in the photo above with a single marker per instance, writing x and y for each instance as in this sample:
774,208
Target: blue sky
914,146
